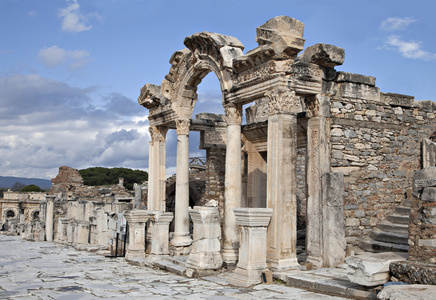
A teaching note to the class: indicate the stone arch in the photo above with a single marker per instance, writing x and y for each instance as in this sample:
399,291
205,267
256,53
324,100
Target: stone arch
35,215
206,52
10,214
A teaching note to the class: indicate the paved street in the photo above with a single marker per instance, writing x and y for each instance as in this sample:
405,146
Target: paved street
42,270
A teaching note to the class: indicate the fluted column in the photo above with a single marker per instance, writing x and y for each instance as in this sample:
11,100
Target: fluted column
233,182
180,244
281,178
156,181
49,218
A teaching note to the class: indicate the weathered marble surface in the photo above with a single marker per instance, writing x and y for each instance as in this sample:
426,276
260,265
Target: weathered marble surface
42,270
371,269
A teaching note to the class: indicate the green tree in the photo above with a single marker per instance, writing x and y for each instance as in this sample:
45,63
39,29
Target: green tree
107,176
32,188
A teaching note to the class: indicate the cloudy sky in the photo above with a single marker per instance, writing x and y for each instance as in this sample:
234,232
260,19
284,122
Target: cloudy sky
71,70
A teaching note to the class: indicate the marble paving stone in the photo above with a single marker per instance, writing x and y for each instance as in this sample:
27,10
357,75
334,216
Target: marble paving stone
42,270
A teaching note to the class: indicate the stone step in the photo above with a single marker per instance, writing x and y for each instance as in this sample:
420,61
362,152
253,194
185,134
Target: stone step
170,267
389,237
398,219
402,210
391,227
376,246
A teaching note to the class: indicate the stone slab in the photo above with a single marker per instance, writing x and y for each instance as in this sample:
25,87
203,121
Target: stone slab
415,292
372,269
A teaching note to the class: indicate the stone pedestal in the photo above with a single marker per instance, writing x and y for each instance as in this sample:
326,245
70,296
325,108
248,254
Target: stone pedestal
205,255
49,218
253,223
159,226
136,220
181,242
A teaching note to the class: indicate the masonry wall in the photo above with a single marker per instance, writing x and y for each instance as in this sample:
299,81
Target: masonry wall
378,148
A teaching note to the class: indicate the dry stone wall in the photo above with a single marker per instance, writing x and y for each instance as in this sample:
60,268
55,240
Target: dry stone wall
377,145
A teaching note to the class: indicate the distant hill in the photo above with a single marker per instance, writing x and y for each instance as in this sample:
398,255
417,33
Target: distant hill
8,181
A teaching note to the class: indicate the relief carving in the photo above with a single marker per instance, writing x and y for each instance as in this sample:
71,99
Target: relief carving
283,100
233,114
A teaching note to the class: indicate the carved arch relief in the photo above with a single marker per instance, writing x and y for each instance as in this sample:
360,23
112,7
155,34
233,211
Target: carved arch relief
207,52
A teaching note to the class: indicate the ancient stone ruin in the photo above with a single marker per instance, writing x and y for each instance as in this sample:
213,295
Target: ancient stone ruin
320,149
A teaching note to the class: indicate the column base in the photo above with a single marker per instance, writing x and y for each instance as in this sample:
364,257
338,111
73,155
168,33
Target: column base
246,277
180,244
205,261
135,254
283,264
230,257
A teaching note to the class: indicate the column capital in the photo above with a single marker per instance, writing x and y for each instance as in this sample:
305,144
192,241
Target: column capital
182,126
157,133
233,114
283,100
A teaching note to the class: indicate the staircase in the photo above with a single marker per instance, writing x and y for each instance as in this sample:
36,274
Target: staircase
390,235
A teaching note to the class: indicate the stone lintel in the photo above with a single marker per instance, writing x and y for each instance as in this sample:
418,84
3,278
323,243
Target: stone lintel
355,78
397,99
359,91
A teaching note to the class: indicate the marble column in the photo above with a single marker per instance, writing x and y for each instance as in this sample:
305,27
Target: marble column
233,181
281,178
252,253
181,242
136,220
157,155
205,255
49,218
159,226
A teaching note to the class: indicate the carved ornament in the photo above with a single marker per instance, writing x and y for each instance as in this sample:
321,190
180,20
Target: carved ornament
233,114
182,126
283,100
157,133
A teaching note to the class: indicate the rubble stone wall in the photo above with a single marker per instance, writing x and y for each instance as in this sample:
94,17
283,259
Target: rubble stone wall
377,145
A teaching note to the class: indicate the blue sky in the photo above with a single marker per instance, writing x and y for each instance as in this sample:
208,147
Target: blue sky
71,70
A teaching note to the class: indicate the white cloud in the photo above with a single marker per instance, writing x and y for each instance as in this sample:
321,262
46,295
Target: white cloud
46,124
32,13
54,56
72,19
392,24
408,49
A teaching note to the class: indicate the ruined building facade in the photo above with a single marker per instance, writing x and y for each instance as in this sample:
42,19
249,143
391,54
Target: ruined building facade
330,139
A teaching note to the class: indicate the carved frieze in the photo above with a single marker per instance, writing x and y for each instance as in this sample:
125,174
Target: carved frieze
182,126
233,114
283,100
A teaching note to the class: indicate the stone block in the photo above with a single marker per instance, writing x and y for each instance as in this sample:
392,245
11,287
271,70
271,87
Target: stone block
424,178
355,78
283,34
359,91
414,272
429,194
371,269
324,55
